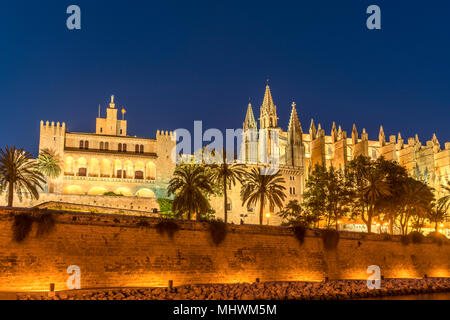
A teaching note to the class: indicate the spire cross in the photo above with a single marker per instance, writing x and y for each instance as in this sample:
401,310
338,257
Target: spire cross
293,104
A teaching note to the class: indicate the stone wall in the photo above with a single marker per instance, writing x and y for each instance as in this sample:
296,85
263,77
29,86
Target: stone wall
120,251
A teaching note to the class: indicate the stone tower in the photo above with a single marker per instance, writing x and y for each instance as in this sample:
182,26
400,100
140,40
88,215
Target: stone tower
111,125
295,151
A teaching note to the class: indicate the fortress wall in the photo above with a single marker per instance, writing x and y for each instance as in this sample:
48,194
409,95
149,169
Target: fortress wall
114,251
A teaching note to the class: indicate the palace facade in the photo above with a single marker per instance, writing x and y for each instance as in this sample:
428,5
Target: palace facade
108,161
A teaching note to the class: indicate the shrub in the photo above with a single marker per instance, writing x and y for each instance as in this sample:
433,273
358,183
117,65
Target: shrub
416,237
45,224
165,204
112,194
143,223
330,239
386,237
218,230
405,240
167,227
22,226
299,233
437,237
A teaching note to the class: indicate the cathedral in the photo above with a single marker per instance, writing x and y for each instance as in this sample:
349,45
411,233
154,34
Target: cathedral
296,152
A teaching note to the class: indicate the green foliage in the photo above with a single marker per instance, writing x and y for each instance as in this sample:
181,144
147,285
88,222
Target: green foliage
416,237
263,186
225,173
299,233
190,185
167,226
208,215
19,173
49,163
22,226
165,204
330,239
45,224
112,194
218,230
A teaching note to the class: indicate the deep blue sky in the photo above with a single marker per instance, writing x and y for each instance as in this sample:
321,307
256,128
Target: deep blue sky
170,63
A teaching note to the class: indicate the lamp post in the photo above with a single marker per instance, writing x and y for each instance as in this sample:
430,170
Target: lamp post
268,217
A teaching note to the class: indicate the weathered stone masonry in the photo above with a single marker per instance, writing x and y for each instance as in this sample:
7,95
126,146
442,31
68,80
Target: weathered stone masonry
113,251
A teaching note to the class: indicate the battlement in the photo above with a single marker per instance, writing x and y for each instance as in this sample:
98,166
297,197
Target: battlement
164,133
51,127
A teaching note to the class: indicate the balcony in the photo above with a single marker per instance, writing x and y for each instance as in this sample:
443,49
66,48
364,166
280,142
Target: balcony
71,176
112,152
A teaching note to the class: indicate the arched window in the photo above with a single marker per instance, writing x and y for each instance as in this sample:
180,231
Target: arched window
136,148
106,145
101,145
86,144
81,144
139,174
124,147
120,147
142,148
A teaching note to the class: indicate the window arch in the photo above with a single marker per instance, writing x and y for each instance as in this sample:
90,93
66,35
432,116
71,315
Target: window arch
101,145
106,145
86,144
142,148
136,149
124,147
81,144
120,147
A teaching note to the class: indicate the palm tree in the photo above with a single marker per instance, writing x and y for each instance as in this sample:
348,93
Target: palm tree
263,186
444,201
376,187
19,173
190,185
416,200
49,163
226,174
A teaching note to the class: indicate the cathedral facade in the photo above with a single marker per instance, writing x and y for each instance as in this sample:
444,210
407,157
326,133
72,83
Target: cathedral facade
298,151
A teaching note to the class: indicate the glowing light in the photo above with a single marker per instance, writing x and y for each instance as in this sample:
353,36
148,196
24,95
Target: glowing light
267,215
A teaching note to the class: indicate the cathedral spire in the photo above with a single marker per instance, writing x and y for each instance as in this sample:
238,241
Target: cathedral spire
312,130
250,122
334,132
294,123
268,116
354,134
382,137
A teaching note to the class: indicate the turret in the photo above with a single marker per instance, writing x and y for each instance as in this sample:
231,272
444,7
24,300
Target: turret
294,148
354,135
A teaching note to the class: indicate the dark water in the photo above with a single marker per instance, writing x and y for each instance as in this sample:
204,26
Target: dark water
428,296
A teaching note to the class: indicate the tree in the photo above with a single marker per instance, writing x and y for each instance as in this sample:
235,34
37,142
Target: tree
337,196
416,200
369,184
19,173
444,201
396,177
314,197
263,186
49,163
436,215
292,213
226,174
190,184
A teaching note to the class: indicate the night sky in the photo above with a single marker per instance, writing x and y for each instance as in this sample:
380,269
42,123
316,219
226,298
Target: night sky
170,63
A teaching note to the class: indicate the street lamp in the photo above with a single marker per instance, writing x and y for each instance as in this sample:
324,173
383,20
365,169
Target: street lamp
268,217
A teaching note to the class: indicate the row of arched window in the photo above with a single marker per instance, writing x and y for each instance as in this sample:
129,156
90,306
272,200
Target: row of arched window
139,148
84,144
